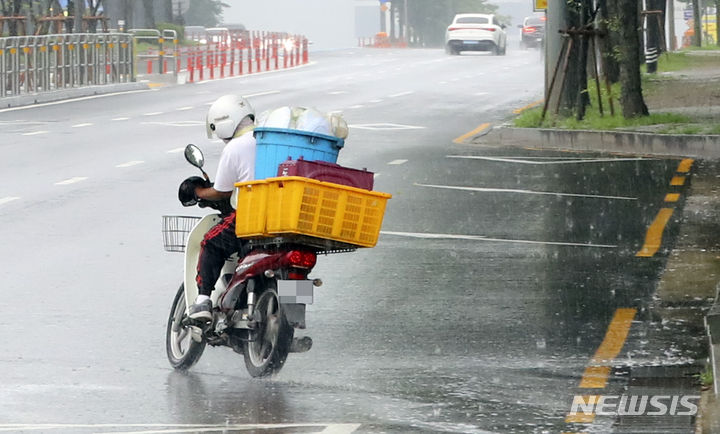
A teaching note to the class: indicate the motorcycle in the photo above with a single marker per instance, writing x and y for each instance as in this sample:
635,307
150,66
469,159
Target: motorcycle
258,302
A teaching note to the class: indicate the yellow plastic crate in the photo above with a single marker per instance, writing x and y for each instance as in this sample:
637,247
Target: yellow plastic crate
251,209
296,205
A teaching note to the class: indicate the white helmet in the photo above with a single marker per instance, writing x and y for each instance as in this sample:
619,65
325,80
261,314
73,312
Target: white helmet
225,115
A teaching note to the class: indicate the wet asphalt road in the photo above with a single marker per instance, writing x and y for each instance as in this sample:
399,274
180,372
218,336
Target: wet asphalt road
495,280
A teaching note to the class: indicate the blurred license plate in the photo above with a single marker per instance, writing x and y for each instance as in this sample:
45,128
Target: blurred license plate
470,42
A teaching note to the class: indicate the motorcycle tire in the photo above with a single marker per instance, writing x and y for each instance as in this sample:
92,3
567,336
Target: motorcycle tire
182,351
266,353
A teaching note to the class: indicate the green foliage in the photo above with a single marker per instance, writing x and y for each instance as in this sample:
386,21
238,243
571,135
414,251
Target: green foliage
430,18
207,13
706,377
170,26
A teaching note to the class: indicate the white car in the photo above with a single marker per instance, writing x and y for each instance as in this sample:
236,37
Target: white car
475,32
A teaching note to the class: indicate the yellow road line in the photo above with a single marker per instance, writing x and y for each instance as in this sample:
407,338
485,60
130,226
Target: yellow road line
615,336
672,197
677,180
469,134
155,85
685,165
595,377
527,107
653,238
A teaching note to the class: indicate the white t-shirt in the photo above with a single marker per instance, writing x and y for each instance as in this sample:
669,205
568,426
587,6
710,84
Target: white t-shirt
237,162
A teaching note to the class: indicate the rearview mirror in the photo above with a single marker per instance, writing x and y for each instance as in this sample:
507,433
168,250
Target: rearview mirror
194,156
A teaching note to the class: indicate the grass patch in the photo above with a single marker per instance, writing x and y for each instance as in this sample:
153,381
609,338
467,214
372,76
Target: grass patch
714,130
593,119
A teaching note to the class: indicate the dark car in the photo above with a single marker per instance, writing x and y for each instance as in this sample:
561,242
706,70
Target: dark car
532,32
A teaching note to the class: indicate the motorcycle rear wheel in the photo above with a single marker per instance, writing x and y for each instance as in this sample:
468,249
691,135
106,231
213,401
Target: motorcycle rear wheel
267,353
182,351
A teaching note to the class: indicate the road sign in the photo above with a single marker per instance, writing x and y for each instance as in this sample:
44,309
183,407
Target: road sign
687,14
539,5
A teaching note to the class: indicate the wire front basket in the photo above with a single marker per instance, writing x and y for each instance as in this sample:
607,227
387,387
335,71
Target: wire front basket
175,230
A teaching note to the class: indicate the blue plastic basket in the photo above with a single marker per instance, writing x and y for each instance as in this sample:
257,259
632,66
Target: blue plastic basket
275,145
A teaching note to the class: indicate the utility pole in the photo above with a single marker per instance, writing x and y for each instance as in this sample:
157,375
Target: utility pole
671,25
79,12
555,14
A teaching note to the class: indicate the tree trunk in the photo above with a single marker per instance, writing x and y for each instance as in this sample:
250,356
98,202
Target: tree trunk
149,7
631,98
574,96
609,41
393,9
128,10
169,11
717,22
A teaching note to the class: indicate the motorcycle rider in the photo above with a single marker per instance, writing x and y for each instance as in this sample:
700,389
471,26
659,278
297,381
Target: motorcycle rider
231,118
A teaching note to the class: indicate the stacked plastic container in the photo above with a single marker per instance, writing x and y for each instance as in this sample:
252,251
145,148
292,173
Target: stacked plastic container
300,191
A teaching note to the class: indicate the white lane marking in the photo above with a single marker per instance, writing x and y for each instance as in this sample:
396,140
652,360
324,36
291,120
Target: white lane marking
356,106
397,162
176,151
157,428
180,109
481,94
269,92
385,126
86,124
85,98
375,101
121,119
175,123
336,111
519,160
483,238
24,122
130,164
153,114
518,191
72,180
8,199
338,92
35,133
395,95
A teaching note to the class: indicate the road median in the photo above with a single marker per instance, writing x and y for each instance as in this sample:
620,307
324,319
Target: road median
69,94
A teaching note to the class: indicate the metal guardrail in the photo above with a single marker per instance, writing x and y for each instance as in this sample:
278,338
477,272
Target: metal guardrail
32,64
167,43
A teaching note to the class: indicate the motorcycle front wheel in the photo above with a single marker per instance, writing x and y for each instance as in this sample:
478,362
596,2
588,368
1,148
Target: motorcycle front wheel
266,352
182,350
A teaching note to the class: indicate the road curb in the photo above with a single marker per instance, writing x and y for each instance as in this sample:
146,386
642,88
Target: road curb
686,145
59,95
712,326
